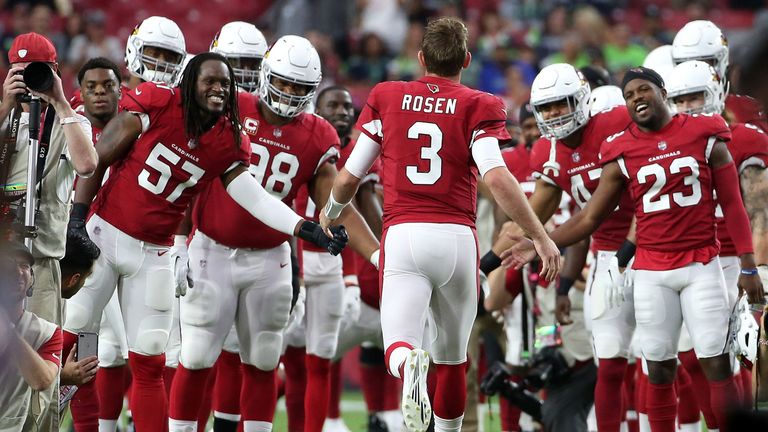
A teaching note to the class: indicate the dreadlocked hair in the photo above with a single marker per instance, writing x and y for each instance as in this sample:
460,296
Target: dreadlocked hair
193,114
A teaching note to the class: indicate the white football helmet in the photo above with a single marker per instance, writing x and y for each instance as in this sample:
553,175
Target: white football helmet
295,60
244,47
696,76
557,82
702,40
745,331
605,97
660,60
157,32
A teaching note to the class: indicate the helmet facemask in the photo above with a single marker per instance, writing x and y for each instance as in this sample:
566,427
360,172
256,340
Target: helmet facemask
564,125
246,71
280,102
155,70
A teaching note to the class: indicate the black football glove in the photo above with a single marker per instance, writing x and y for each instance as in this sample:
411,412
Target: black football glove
77,218
313,232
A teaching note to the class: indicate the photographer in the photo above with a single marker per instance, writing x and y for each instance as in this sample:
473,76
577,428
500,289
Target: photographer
30,356
66,150
561,364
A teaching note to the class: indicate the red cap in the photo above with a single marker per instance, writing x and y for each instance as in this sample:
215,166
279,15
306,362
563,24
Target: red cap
31,47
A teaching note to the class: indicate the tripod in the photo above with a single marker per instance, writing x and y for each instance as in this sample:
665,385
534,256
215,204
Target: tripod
30,205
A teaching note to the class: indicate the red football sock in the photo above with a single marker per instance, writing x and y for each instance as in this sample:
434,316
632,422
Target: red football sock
205,406
510,415
641,390
149,403
629,393
258,395
610,376
334,402
724,397
746,386
85,408
295,386
392,390
450,393
318,393
227,385
187,393
110,391
372,384
168,374
700,386
662,407
687,408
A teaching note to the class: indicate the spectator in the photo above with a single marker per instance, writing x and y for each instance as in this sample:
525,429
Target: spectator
590,26
620,53
370,65
653,33
493,34
73,28
517,91
386,19
70,152
555,28
20,22
572,52
31,358
405,66
95,42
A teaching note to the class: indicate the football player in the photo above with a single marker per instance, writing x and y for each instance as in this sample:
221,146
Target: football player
170,143
248,272
703,40
566,159
696,88
670,165
101,91
428,263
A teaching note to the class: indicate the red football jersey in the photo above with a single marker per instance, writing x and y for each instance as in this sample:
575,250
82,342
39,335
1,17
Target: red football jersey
746,109
580,171
748,147
283,159
149,190
425,129
670,181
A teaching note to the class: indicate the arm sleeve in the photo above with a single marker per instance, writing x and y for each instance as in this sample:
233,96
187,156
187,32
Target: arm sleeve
249,194
486,153
363,156
726,183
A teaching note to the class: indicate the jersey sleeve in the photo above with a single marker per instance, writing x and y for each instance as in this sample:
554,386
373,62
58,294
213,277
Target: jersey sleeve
369,121
147,101
489,119
749,146
612,148
715,126
51,349
539,156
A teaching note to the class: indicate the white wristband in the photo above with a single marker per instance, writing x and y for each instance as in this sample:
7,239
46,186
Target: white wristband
68,120
333,208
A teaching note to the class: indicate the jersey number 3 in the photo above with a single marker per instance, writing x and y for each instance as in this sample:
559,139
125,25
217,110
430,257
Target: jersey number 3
429,153
653,201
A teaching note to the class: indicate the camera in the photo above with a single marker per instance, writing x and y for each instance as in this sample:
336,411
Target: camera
38,76
548,367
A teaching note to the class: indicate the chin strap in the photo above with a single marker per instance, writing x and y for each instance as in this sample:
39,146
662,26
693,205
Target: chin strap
551,166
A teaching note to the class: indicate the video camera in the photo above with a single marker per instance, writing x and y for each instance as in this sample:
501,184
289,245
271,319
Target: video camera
547,367
38,76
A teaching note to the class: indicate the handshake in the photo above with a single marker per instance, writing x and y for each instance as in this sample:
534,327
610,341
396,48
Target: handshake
313,232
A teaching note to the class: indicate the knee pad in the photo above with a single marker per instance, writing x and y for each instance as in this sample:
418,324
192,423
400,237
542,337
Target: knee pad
655,349
196,356
152,335
265,349
711,344
110,355
325,346
201,305
371,356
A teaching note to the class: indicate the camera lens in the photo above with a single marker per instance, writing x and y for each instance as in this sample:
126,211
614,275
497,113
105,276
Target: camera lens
38,76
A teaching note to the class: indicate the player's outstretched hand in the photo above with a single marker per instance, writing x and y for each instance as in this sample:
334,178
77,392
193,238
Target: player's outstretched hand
563,310
550,258
523,252
752,285
325,223
313,232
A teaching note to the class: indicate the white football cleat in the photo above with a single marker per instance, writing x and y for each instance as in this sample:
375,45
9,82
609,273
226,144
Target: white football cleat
415,405
335,425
